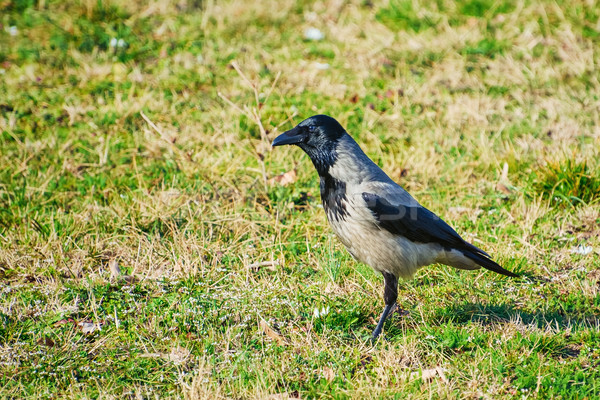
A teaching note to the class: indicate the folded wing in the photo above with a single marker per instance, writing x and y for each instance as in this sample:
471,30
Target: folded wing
418,224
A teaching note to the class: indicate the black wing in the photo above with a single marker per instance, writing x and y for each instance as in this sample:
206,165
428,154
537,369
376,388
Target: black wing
418,224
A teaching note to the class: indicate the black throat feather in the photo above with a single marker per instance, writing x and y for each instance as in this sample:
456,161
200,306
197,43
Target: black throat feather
322,158
333,196
333,190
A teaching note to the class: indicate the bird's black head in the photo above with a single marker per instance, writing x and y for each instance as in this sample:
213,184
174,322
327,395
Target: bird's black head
318,137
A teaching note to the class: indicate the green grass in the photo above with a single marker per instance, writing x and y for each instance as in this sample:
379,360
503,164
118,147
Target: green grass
141,261
568,182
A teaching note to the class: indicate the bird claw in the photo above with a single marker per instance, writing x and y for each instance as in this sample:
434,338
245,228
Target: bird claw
387,313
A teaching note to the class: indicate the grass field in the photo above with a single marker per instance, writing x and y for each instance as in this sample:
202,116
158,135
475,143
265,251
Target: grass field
151,248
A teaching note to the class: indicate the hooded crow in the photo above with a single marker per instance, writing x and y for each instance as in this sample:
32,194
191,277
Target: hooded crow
378,221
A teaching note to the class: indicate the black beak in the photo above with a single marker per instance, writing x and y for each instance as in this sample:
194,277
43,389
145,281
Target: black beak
293,136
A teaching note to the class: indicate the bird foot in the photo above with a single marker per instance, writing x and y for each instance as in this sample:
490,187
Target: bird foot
399,311
387,313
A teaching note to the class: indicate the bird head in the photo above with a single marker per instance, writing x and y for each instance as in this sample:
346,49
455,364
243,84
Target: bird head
314,132
317,136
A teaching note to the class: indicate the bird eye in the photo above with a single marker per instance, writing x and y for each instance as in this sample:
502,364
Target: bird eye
312,128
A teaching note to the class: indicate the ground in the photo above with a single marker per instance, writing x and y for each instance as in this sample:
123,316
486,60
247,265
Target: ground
153,245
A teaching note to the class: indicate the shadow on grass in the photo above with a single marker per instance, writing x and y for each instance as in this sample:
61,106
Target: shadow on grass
503,313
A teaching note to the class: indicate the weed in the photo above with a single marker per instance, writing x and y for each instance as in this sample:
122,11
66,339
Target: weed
568,182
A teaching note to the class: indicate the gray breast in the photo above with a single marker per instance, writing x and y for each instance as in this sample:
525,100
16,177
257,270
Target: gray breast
377,247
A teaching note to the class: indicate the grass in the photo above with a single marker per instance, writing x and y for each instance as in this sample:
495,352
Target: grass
147,252
568,181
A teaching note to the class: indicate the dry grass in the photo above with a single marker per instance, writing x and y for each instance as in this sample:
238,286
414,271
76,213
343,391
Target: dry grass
204,278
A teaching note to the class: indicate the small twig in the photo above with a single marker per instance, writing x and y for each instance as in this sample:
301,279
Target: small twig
261,128
285,121
180,153
153,125
253,113
236,66
272,86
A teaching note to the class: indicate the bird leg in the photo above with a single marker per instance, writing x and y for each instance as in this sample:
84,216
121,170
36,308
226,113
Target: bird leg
390,294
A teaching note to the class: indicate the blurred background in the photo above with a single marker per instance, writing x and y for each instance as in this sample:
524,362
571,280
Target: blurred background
152,244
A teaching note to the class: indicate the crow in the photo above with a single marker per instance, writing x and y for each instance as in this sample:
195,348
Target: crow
378,221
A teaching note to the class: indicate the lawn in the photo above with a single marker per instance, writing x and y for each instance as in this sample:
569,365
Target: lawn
153,245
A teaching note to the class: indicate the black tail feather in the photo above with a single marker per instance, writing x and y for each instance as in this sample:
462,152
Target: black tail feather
483,259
